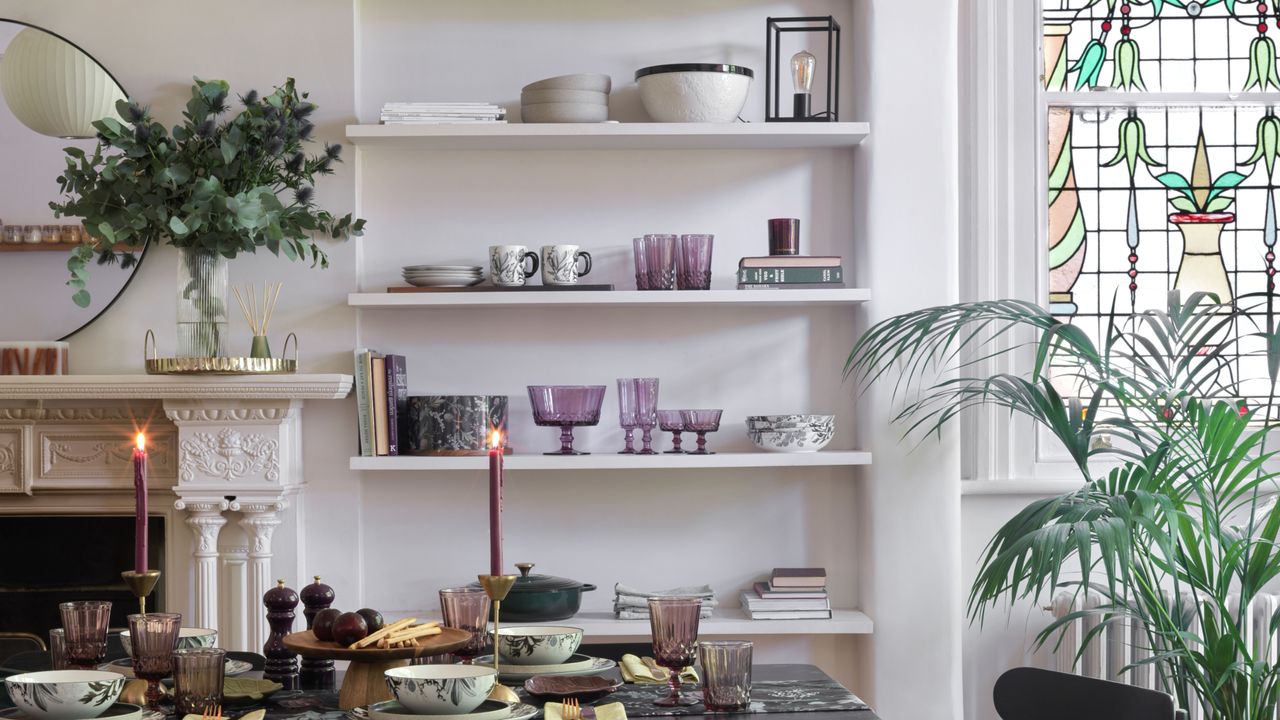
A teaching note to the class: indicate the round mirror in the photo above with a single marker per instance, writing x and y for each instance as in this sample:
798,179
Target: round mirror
52,91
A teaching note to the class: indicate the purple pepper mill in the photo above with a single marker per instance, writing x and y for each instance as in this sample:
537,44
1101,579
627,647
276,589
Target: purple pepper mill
282,665
316,674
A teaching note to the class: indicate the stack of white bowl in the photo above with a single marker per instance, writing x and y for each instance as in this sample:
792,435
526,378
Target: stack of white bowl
581,98
443,275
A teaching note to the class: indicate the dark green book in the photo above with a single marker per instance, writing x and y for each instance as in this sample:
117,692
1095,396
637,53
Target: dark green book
790,275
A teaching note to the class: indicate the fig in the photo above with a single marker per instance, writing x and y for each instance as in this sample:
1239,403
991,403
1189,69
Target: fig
348,628
372,618
322,625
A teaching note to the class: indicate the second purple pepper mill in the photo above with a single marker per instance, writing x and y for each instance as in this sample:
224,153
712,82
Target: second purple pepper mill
282,664
316,674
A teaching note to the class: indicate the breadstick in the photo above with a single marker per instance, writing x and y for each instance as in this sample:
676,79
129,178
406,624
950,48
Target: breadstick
372,638
417,632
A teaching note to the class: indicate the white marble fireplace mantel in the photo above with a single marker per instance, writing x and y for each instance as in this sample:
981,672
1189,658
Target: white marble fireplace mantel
228,448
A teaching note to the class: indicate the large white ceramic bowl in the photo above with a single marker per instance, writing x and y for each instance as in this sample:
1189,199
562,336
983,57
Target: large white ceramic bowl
591,82
538,644
694,92
64,694
791,433
441,689
187,638
564,113
585,97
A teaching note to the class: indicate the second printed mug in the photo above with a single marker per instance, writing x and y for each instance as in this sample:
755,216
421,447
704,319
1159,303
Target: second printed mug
560,264
507,265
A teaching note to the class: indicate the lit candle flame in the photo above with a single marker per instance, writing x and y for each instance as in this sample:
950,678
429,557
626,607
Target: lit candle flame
142,442
495,440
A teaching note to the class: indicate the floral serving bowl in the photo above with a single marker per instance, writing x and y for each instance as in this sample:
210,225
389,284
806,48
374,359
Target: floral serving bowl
538,644
791,433
441,689
187,638
64,694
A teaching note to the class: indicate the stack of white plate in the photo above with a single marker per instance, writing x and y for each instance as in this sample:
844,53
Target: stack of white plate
582,98
443,275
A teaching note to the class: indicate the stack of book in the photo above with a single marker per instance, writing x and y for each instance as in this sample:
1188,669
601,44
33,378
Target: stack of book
382,398
789,594
413,113
790,272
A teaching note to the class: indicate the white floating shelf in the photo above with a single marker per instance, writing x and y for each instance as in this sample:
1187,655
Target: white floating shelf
613,461
164,387
615,298
725,621
611,136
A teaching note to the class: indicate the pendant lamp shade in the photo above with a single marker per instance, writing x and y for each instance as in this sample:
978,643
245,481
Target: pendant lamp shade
54,88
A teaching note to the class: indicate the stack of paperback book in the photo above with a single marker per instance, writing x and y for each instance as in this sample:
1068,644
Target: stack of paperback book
414,113
789,594
382,398
790,271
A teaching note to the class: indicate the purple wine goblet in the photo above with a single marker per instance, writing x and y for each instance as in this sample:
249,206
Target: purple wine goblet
646,411
701,422
627,413
566,407
674,623
152,639
693,267
672,421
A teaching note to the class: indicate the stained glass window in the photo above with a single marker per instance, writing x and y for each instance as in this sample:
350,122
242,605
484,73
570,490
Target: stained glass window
1161,159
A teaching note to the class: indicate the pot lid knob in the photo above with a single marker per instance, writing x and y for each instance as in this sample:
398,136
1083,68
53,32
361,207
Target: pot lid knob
524,569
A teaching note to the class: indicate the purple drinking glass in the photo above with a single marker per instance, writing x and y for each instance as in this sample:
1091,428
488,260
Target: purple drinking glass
726,674
672,421
694,263
701,422
152,639
58,649
85,624
198,675
646,411
642,264
674,623
627,413
566,407
660,257
467,609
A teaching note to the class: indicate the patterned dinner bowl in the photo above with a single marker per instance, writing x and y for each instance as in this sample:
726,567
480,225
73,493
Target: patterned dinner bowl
791,433
187,638
64,694
538,644
441,689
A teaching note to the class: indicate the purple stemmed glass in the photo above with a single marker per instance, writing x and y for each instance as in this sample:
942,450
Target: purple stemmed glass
694,262
152,639
674,623
646,411
672,421
642,264
566,407
627,413
660,256
701,422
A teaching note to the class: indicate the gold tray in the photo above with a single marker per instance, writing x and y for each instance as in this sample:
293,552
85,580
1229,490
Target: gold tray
219,365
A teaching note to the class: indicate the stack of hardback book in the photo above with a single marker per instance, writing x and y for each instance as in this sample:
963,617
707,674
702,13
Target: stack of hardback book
430,113
382,399
789,594
790,272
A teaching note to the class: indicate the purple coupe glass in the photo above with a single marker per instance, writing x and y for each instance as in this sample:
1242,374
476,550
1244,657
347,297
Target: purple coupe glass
693,271
566,407
627,413
674,623
646,411
672,421
701,422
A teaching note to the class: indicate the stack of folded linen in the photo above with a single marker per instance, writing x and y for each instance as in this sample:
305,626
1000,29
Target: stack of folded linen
632,604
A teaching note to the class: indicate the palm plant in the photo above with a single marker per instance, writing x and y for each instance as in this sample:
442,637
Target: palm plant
1174,528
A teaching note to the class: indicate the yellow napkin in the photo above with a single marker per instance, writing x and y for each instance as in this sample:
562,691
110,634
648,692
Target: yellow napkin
612,711
647,672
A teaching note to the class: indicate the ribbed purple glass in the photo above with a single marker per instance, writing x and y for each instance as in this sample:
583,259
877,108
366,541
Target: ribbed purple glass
197,679
694,262
152,639
701,422
674,624
85,624
646,411
566,406
627,412
467,609
726,674
642,264
672,421
660,259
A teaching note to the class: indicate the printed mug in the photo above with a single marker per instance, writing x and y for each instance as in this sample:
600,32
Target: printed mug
507,265
560,264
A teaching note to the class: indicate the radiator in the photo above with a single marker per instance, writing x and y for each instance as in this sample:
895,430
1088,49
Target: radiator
1122,642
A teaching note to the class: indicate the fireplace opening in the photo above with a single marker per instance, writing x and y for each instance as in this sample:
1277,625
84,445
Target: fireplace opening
52,559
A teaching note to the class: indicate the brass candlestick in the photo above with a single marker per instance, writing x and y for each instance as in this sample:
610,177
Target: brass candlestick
141,584
497,587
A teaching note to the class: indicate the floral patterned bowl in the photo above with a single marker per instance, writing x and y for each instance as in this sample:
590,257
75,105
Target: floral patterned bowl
791,433
64,694
188,637
441,689
538,644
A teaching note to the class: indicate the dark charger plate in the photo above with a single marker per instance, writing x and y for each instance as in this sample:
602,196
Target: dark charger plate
585,688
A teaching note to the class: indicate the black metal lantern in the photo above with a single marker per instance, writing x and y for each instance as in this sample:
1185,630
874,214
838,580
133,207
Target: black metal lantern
800,70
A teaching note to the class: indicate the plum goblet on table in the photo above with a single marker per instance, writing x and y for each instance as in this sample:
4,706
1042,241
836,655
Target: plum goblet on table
674,623
153,638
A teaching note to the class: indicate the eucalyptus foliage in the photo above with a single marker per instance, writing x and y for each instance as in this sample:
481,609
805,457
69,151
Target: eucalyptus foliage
221,181
1174,527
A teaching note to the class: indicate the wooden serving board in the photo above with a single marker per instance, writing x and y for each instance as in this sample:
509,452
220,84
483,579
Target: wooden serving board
363,683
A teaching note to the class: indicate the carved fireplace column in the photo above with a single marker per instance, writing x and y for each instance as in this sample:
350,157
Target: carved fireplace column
259,520
206,521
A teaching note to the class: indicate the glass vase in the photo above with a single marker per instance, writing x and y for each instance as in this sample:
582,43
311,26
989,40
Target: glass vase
202,303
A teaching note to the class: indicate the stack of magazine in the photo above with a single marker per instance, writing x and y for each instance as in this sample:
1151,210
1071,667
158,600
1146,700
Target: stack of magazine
435,113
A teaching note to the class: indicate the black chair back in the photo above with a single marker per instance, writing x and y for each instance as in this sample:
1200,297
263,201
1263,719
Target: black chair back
1033,694
12,643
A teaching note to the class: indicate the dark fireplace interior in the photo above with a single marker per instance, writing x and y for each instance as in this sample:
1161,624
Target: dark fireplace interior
51,559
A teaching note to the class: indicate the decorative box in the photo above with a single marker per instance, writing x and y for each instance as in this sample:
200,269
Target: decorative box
34,358
454,424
